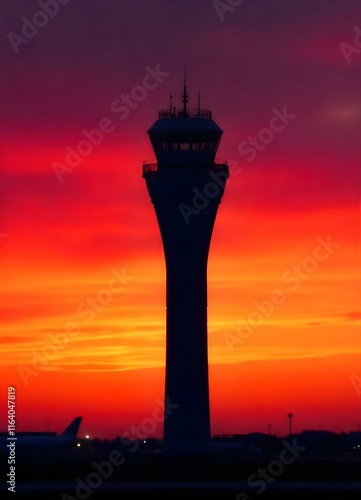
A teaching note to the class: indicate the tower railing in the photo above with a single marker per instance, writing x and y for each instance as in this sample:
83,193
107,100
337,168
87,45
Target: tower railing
189,113
152,165
219,164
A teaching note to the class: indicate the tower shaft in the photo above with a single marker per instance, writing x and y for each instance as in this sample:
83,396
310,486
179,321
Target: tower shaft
186,242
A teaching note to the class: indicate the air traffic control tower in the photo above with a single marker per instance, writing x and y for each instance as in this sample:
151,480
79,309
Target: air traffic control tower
186,185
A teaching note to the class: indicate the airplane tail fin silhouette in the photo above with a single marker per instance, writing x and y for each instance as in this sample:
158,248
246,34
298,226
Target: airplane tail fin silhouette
72,429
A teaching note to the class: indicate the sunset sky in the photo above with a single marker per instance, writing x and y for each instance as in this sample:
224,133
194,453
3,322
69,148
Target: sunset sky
81,253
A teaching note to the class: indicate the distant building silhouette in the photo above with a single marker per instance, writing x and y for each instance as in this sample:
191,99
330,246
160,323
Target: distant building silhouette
186,185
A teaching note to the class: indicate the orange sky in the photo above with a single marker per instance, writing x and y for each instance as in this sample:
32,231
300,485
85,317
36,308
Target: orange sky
65,241
299,359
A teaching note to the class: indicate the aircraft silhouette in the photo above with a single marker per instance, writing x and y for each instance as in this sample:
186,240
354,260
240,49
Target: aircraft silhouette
40,441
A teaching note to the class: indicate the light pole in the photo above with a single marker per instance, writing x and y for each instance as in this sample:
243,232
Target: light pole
290,416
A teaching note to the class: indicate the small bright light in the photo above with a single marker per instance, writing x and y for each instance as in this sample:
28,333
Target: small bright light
144,441
87,436
78,445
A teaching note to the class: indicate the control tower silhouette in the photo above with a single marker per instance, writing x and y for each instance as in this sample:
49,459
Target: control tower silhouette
186,185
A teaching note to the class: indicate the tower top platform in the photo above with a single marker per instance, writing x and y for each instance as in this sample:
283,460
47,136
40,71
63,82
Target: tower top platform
194,120
174,112
184,138
184,119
